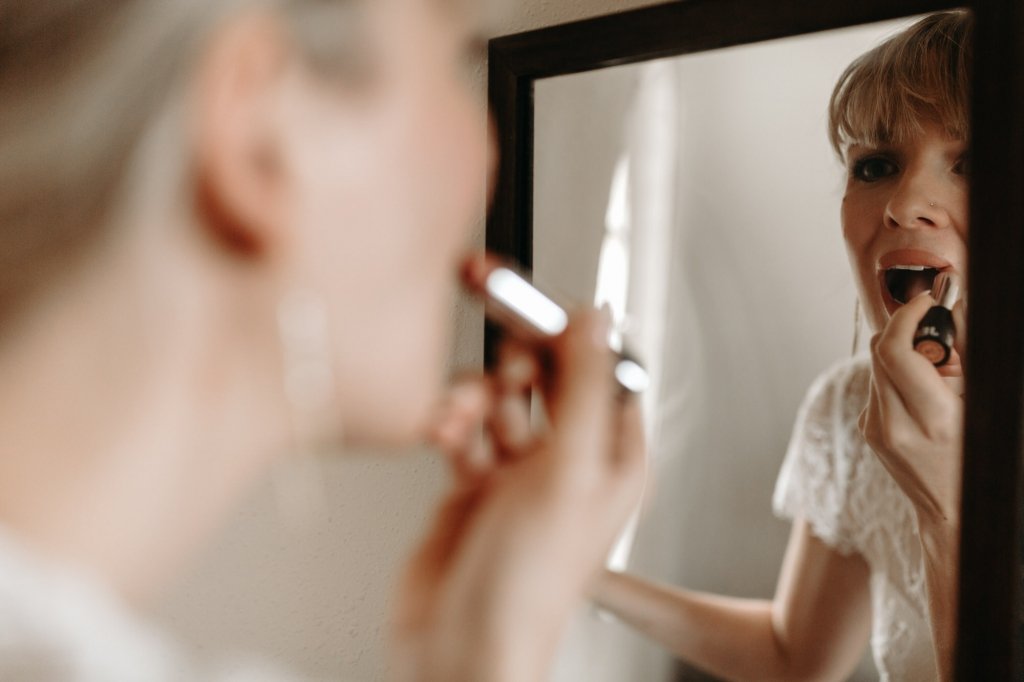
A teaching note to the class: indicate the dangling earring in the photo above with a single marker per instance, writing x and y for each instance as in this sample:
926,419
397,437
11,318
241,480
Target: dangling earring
856,326
310,393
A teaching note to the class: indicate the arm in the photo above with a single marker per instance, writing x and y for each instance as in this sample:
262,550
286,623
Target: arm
914,423
815,628
940,542
529,520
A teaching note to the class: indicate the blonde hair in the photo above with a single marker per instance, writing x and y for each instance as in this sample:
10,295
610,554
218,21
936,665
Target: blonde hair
81,83
919,75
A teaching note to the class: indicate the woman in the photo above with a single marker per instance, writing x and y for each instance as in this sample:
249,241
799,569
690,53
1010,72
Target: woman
221,223
872,477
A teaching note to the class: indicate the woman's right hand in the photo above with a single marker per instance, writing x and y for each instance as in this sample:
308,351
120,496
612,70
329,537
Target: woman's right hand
527,526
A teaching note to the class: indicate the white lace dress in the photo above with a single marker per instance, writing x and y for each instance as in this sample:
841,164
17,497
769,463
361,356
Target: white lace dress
832,479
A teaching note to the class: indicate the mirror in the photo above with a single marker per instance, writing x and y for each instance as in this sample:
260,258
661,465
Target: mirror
699,197
748,272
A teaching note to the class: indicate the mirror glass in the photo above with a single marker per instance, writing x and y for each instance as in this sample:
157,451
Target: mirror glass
698,196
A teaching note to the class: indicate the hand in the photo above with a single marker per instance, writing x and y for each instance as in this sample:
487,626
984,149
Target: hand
914,417
528,524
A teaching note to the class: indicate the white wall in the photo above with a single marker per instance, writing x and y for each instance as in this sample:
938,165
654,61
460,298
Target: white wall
318,600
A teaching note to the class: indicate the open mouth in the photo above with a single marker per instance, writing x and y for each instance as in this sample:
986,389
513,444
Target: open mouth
904,282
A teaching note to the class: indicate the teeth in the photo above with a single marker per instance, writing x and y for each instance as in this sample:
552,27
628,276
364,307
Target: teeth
915,268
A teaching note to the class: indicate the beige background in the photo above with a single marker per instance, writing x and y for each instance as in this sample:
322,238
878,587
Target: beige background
317,599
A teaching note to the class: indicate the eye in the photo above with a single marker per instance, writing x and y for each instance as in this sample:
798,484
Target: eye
963,164
873,168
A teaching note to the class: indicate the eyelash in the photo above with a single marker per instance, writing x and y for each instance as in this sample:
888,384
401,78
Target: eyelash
859,167
963,164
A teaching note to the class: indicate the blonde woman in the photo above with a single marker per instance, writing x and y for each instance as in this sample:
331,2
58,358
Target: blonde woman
221,224
872,477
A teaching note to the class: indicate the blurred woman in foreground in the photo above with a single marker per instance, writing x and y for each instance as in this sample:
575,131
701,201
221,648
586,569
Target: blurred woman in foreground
229,230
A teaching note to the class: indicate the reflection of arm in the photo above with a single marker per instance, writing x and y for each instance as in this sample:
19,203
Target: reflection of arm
815,628
940,543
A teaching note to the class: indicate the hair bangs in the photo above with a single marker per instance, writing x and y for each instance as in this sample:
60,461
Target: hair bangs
919,76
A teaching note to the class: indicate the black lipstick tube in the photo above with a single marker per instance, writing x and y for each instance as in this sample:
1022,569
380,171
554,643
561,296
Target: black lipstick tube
935,335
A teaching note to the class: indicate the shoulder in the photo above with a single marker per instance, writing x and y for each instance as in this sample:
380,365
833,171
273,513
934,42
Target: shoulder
838,395
823,468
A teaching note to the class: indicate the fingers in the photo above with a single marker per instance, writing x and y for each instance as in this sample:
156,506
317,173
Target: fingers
629,452
516,373
887,404
913,376
518,368
580,400
909,398
510,426
960,320
456,430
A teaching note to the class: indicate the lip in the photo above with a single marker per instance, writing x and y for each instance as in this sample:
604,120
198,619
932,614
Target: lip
913,257
906,257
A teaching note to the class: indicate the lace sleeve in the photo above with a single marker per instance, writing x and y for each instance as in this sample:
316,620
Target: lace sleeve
815,480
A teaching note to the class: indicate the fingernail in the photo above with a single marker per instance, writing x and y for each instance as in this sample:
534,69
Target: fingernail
516,419
517,370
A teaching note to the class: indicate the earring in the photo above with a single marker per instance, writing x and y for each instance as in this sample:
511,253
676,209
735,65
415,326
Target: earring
310,394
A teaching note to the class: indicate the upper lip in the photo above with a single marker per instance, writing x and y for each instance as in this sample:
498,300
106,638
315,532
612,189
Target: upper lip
912,257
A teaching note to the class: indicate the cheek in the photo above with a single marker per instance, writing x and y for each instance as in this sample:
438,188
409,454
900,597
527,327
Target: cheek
387,258
388,208
861,221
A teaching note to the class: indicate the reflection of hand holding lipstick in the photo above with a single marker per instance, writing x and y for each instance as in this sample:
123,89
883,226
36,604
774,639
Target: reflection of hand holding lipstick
935,335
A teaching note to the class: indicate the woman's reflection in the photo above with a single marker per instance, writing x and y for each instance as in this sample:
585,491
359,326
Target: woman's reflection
872,476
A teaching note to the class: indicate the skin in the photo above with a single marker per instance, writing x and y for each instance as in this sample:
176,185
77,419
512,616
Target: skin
360,197
911,195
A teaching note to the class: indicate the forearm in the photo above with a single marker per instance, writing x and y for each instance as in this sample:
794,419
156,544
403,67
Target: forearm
730,638
940,542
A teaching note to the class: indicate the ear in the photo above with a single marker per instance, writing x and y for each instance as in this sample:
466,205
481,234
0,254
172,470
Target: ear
241,179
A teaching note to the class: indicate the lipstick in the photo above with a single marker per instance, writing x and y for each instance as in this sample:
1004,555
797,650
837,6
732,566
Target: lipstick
935,335
527,313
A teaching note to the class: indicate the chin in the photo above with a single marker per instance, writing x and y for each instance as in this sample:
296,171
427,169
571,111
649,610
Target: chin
400,419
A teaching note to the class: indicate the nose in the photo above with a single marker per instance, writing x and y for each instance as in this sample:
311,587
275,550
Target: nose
917,202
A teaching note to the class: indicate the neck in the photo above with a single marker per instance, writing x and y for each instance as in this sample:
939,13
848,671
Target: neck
130,421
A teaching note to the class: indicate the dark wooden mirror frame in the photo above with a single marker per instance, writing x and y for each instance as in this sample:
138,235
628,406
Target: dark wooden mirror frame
987,647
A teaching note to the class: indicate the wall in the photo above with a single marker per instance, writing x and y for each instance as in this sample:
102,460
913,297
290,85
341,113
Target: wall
524,15
324,588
